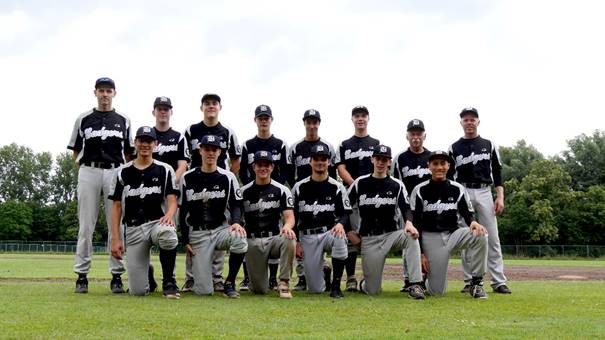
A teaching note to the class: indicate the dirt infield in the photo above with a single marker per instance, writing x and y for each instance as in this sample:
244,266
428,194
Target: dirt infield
521,273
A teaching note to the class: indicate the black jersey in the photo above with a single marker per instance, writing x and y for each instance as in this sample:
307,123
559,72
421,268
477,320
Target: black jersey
412,168
320,204
356,154
263,206
229,144
101,136
171,148
378,200
476,161
436,205
278,150
143,191
300,158
208,200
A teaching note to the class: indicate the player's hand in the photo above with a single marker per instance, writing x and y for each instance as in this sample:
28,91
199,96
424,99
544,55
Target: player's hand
238,230
288,233
338,230
424,261
300,253
117,248
499,205
189,251
354,238
477,229
411,230
167,220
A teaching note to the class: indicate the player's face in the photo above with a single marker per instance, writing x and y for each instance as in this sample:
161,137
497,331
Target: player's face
416,138
469,124
263,123
311,126
263,169
439,168
381,164
162,114
211,108
144,146
104,95
360,120
209,154
319,164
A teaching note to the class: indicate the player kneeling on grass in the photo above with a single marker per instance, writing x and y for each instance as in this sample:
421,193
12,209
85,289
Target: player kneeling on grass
209,216
144,197
265,200
435,205
378,196
321,210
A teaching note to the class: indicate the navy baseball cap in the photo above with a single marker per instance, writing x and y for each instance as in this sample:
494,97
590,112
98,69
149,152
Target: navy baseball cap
469,111
146,131
360,109
263,155
211,140
263,110
211,96
415,124
382,150
438,154
312,114
320,150
162,101
105,81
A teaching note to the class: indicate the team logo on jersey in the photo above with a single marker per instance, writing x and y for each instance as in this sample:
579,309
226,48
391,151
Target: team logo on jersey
376,201
328,198
419,171
450,199
215,187
472,158
260,205
103,133
347,204
162,149
155,179
439,207
238,193
300,161
142,191
360,154
204,195
483,149
117,126
171,139
290,201
270,195
195,144
315,208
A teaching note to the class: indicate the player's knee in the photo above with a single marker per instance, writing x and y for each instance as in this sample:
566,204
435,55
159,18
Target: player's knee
238,245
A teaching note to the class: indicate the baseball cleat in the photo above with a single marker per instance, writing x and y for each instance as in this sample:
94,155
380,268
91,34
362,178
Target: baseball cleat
170,291
218,286
336,293
351,285
466,289
81,285
416,292
244,285
229,291
477,292
406,287
153,285
284,290
188,286
502,289
272,283
301,284
116,285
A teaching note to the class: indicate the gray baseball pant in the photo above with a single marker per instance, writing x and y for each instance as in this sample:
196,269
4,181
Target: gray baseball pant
374,250
92,182
218,264
259,251
437,247
483,203
314,247
139,240
204,244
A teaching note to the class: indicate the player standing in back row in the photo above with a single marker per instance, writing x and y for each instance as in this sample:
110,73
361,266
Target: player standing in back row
477,167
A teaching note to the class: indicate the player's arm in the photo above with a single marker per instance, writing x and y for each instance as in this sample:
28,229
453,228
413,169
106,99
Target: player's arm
235,208
168,218
117,246
343,209
287,229
497,176
344,174
406,212
180,170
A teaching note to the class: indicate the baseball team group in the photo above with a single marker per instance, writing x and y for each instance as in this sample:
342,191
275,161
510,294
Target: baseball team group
277,209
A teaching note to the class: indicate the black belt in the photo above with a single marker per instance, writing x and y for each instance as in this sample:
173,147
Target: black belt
476,185
261,234
376,232
101,165
204,227
313,231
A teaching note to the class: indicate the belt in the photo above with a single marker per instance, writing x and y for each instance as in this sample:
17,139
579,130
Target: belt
261,234
476,185
101,165
313,231
375,232
204,227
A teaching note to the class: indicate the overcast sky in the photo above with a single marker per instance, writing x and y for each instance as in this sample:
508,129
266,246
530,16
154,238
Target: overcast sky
535,70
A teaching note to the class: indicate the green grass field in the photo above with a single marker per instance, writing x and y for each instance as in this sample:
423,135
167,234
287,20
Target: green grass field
38,302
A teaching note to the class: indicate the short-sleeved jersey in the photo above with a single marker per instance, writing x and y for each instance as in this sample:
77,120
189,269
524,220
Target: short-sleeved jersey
143,192
208,200
356,154
279,152
263,206
436,205
229,143
320,204
300,158
412,168
378,200
102,136
476,161
171,148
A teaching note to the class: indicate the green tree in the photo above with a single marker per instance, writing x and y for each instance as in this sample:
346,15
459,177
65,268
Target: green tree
24,175
64,181
585,160
15,220
517,160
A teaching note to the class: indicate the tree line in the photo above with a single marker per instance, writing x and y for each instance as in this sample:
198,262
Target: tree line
548,200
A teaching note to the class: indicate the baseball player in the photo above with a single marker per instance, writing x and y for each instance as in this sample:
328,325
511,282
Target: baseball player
144,201
377,197
210,212
355,156
264,140
411,167
265,201
101,141
477,167
299,158
435,205
321,209
230,152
